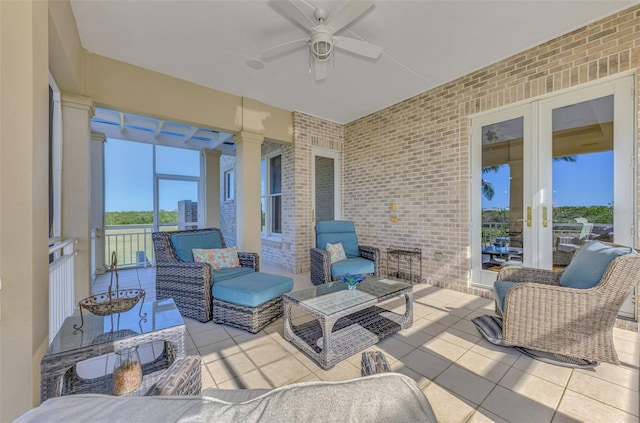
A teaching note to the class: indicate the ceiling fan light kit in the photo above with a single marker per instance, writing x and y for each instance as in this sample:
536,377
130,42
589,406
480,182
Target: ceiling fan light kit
321,27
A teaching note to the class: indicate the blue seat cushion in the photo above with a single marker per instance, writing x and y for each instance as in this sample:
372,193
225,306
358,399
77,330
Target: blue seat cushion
589,264
184,243
234,272
251,290
353,266
334,231
500,289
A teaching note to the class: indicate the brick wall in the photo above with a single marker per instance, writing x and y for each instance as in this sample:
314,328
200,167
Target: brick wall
421,146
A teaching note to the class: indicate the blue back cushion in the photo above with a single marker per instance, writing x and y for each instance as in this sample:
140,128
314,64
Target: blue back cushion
589,264
184,243
333,231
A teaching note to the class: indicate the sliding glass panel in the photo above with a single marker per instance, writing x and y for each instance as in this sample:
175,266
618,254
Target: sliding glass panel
177,204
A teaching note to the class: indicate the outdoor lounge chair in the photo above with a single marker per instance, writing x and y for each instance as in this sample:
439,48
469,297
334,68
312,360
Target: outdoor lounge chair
187,282
566,246
563,312
360,259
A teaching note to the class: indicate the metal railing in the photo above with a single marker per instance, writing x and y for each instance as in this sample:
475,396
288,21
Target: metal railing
131,243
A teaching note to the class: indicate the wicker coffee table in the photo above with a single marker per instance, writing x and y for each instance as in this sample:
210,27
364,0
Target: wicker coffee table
163,322
346,321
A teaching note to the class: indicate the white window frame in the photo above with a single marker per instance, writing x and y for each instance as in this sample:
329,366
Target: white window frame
267,197
56,160
229,185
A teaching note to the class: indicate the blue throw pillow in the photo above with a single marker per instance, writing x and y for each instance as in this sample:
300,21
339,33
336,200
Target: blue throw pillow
185,242
589,264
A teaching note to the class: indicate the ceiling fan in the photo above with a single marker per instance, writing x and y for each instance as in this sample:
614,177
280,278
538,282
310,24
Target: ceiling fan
321,27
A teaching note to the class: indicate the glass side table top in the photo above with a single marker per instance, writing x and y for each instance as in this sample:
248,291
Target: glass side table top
334,297
100,329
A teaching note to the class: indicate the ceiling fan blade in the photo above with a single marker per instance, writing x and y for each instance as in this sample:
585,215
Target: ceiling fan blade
284,48
349,12
359,47
320,69
294,10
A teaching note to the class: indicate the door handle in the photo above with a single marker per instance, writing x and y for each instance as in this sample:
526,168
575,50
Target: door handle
528,220
545,217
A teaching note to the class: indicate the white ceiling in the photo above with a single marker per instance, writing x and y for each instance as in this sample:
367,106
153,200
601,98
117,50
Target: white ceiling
426,43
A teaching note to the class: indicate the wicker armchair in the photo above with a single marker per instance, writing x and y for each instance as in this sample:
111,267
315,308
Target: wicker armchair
188,283
540,314
320,258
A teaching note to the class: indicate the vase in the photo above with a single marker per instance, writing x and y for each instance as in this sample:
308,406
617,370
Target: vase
351,286
127,372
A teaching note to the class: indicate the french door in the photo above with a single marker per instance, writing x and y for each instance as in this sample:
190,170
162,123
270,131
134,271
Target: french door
326,184
551,175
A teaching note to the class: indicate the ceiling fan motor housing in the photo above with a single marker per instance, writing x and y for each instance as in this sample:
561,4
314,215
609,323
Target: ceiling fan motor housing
322,44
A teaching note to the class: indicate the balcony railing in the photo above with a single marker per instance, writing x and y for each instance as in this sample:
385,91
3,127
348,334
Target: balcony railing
131,243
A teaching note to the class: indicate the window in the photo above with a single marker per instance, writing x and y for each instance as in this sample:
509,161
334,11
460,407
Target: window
229,185
271,168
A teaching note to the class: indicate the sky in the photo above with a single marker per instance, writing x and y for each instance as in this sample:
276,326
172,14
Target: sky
129,176
587,182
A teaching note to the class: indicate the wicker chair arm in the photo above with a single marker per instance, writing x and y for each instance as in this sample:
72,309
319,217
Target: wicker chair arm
529,274
373,254
320,266
249,260
183,377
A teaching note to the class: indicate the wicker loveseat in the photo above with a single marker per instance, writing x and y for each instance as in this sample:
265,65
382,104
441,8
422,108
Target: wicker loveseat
189,283
540,313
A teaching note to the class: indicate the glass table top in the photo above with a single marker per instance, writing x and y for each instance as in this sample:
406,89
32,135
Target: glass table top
334,297
103,329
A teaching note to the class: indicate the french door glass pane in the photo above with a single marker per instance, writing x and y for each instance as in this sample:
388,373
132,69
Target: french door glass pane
324,188
502,193
582,176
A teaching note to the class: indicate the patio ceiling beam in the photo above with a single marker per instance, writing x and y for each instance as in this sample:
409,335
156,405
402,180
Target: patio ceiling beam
190,134
159,128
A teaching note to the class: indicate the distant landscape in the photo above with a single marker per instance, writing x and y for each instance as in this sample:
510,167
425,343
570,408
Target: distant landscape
117,218
567,214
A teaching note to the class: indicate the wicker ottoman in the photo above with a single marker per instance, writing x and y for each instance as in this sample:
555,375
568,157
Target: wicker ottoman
249,302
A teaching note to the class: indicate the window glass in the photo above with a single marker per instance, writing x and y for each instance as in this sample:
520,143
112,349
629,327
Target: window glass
177,161
275,174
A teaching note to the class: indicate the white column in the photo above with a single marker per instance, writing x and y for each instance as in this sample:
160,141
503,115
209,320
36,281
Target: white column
76,184
248,156
211,197
97,198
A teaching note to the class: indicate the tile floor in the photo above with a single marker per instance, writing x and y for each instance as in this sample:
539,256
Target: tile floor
465,378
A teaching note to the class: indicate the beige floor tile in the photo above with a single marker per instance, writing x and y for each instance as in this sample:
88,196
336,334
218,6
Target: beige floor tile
306,361
206,337
465,384
399,367
216,351
430,327
248,340
556,374
230,367
311,377
292,349
422,310
284,371
607,392
575,407
195,326
626,335
252,380
626,346
448,407
504,355
484,416
618,375
443,317
207,379
515,407
466,326
443,349
629,361
425,364
341,371
530,386
457,337
457,311
489,369
264,354
394,349
415,338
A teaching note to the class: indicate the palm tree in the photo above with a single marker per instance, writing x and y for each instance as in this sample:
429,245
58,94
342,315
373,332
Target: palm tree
487,188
